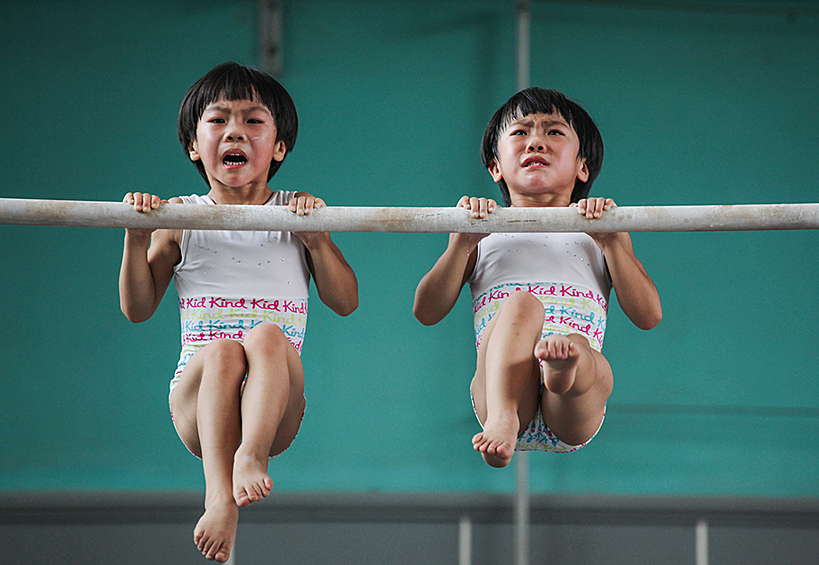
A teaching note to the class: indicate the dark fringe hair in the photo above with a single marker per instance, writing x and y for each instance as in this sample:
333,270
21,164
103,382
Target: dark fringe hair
542,101
232,81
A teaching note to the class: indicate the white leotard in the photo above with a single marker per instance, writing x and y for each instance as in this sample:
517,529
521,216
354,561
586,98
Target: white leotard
566,271
230,281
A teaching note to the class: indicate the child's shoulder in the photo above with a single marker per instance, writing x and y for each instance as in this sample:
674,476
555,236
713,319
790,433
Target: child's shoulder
192,199
281,197
277,198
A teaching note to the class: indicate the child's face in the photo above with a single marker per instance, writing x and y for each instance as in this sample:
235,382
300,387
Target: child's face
538,159
236,142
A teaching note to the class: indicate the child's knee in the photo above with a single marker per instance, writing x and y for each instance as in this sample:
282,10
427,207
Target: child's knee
226,356
580,341
224,349
524,305
266,336
603,378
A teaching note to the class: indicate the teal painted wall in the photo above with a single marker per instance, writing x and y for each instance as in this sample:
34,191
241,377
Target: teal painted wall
696,106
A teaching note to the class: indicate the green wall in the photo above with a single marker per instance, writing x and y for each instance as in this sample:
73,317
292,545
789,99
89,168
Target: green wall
696,106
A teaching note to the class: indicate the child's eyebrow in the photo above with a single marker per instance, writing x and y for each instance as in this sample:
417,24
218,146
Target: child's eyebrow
248,110
563,123
215,108
529,122
259,108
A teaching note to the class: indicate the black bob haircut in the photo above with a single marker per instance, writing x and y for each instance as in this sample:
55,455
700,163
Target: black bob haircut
541,101
232,81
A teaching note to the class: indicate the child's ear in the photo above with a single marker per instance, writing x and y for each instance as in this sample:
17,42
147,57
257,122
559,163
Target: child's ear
279,151
495,171
583,172
193,152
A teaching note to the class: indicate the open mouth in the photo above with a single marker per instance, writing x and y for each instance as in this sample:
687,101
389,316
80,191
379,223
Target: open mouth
534,161
234,160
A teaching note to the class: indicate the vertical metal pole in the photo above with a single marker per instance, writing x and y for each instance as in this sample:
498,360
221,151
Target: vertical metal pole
465,541
270,36
524,20
522,508
702,543
522,457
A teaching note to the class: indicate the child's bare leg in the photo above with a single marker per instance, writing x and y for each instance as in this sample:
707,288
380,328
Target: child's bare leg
272,407
507,381
578,382
206,414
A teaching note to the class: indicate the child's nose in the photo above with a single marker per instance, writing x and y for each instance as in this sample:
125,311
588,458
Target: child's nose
535,143
235,132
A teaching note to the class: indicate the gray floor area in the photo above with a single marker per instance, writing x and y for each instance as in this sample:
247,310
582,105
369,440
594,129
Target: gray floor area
378,529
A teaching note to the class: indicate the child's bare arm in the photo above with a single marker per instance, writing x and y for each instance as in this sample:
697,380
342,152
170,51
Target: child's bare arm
148,258
335,280
438,291
636,293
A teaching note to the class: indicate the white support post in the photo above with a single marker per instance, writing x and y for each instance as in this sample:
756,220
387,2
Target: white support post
522,508
702,543
465,541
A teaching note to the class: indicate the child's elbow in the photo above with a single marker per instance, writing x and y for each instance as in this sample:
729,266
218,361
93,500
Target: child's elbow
426,321
426,317
651,320
346,307
136,319
134,315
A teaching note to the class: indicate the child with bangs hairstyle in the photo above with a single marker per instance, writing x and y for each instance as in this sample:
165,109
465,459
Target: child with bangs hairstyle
540,300
237,395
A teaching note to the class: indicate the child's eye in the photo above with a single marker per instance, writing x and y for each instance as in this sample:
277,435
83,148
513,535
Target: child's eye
555,132
254,121
217,120
518,132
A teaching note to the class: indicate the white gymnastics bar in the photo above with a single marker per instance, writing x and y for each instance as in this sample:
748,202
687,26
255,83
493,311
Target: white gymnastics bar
18,211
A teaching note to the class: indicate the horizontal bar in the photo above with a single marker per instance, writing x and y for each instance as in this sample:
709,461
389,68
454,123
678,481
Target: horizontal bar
18,211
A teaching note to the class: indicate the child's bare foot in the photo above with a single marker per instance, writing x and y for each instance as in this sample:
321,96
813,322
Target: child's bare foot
497,441
560,358
251,482
216,530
